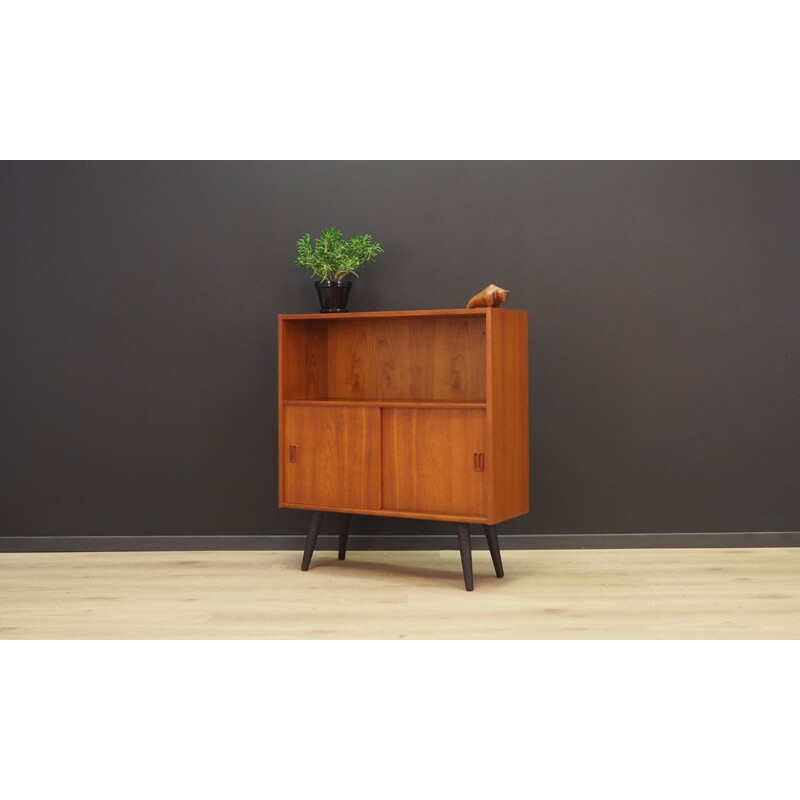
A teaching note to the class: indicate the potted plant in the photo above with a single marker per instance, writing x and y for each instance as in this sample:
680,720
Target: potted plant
331,260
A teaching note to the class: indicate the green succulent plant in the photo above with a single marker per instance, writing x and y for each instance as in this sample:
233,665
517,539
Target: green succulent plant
332,258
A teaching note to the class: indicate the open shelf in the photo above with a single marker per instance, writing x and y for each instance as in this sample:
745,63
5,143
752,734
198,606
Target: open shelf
411,357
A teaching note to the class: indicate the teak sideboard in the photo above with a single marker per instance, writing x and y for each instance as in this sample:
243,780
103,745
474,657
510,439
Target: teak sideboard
405,414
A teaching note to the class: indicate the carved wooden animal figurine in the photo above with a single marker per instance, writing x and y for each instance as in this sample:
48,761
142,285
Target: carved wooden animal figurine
491,296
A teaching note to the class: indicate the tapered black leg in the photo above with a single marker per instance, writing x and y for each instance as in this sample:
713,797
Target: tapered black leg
494,549
465,545
343,533
311,538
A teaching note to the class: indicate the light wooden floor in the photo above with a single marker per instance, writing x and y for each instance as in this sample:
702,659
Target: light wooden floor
555,594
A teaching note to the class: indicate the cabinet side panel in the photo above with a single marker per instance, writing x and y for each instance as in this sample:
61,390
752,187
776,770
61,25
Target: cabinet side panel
302,375
281,390
509,460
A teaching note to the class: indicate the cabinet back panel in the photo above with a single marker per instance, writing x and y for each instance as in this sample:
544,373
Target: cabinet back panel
418,358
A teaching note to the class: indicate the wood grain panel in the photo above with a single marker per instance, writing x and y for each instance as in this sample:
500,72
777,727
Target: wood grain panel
337,456
454,352
429,461
508,420
417,358
316,361
352,357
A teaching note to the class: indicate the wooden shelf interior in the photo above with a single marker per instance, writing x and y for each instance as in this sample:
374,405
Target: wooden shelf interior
439,359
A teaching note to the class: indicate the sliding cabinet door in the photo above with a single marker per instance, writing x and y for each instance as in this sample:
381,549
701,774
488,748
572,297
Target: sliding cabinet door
332,457
434,461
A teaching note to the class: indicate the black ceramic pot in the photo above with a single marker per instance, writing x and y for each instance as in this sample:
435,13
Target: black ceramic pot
333,295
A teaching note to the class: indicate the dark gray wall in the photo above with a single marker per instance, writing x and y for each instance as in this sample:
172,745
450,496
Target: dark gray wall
139,308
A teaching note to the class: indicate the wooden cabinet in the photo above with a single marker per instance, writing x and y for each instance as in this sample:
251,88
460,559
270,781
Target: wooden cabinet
405,413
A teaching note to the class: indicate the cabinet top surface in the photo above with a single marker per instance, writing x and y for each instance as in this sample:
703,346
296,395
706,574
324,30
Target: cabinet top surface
441,312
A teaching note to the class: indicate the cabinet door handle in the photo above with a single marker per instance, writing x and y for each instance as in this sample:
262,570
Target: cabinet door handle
292,452
477,462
